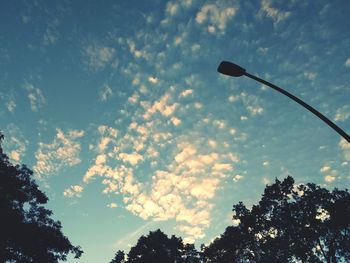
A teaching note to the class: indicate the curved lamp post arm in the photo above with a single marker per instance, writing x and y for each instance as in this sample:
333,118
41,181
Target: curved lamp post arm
234,70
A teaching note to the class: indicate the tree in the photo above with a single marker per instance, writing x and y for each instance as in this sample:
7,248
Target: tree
291,223
119,257
158,247
28,233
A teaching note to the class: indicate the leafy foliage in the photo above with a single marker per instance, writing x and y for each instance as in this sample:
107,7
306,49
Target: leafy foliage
28,233
158,247
291,223
119,257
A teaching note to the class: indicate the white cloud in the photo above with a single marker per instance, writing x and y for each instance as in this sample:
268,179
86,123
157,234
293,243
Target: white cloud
175,121
15,145
73,191
161,106
138,53
252,104
35,96
134,98
97,56
50,36
182,184
347,63
342,113
329,178
186,93
233,98
11,105
63,151
132,158
112,205
219,123
216,16
325,169
192,233
273,13
310,75
237,177
153,80
172,8
8,101
345,147
105,93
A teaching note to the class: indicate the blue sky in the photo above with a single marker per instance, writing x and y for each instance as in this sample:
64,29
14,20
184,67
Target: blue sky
119,110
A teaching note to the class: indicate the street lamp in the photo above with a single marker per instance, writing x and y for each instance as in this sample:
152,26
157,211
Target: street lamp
230,69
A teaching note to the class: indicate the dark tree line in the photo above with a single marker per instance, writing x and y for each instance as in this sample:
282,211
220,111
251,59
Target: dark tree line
291,223
158,247
27,231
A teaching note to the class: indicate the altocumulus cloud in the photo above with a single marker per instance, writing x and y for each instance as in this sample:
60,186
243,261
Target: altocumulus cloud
183,184
63,151
97,56
35,96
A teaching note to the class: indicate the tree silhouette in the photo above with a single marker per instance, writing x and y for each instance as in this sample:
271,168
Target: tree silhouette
119,257
27,231
291,223
158,247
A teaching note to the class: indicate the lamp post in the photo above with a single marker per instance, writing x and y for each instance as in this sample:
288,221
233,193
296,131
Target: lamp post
233,70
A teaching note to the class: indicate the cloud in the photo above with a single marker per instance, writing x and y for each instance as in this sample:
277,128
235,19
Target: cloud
266,163
112,205
329,178
192,233
175,121
252,103
181,185
172,8
138,53
237,177
98,56
8,101
132,158
153,80
160,106
273,13
342,113
35,96
216,17
186,93
11,105
347,63
105,93
345,147
73,191
15,145
62,152
325,169
310,75
51,36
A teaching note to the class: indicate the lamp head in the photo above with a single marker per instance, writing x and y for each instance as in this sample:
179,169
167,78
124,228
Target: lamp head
230,69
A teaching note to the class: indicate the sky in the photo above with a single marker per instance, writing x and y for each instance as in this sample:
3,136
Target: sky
118,109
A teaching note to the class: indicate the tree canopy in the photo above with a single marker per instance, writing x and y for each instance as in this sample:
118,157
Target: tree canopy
27,231
158,247
291,223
